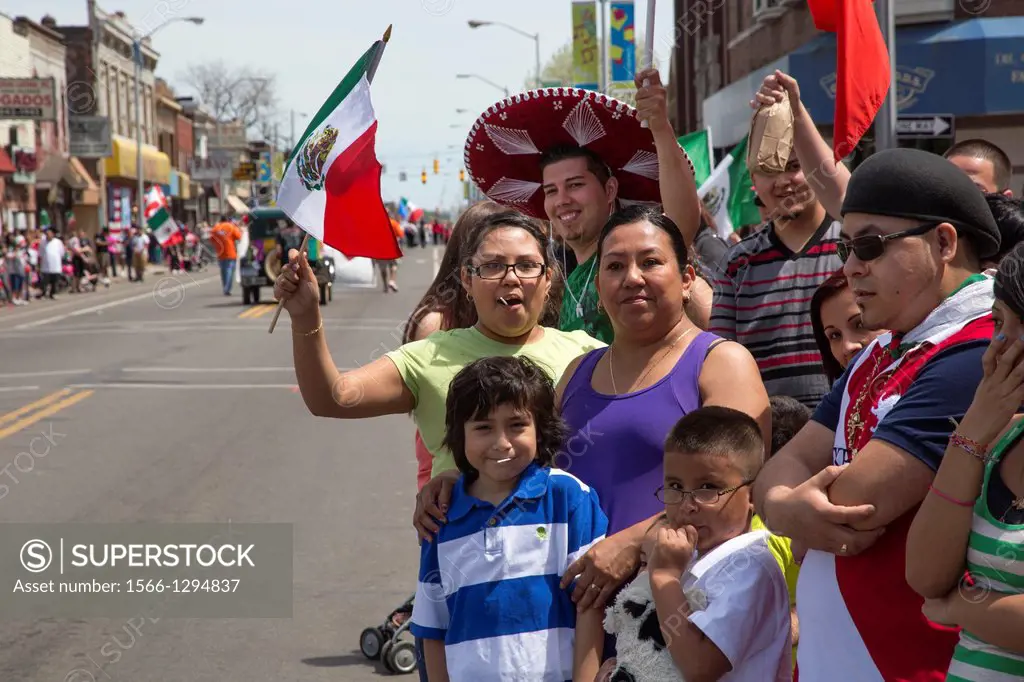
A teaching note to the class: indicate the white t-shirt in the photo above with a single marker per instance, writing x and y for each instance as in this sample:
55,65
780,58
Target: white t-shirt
747,612
53,256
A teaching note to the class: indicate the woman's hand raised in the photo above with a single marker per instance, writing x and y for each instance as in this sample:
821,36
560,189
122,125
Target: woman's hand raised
297,287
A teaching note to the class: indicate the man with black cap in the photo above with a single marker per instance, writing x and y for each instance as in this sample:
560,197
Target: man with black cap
915,230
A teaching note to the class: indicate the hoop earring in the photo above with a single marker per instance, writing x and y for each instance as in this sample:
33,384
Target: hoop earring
469,297
600,308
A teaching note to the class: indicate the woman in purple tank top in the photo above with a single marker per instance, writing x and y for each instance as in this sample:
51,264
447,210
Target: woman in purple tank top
621,401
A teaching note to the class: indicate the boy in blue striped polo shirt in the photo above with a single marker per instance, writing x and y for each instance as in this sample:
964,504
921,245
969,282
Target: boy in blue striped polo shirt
488,604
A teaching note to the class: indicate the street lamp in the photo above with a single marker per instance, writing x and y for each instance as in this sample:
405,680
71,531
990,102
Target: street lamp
137,53
535,37
489,82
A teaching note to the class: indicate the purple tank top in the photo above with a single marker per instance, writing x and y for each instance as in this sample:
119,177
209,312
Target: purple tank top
616,442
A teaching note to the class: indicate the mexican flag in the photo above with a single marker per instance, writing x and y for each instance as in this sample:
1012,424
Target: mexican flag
331,185
727,194
158,218
698,147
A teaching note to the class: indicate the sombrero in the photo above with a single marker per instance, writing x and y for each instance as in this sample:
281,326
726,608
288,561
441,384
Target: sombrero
505,145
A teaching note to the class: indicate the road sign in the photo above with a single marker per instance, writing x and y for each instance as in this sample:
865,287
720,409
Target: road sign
90,137
926,125
265,170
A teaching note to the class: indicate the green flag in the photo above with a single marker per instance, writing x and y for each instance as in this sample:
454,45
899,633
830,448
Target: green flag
742,210
698,148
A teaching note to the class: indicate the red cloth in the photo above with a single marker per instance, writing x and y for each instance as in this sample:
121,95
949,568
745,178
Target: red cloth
862,67
424,462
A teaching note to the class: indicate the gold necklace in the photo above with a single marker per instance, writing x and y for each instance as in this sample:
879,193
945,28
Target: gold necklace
611,369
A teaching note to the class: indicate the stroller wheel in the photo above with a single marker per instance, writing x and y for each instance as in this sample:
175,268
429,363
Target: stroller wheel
370,643
402,658
385,654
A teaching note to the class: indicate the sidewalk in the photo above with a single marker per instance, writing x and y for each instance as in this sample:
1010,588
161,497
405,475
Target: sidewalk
120,288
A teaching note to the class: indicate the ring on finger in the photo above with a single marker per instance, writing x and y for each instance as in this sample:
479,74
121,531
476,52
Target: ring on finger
594,587
842,550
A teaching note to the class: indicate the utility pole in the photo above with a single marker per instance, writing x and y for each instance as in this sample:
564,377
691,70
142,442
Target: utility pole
95,29
602,43
885,122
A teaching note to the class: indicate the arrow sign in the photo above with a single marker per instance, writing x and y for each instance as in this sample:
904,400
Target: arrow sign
931,125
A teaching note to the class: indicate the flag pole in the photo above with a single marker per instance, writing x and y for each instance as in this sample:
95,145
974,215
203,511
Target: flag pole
370,73
649,47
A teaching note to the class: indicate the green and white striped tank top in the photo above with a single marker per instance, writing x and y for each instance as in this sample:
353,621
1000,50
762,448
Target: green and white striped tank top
995,558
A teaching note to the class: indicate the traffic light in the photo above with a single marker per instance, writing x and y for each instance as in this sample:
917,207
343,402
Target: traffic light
437,167
462,175
423,177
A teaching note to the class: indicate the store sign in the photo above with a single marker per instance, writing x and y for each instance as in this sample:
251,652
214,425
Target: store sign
218,165
28,98
90,137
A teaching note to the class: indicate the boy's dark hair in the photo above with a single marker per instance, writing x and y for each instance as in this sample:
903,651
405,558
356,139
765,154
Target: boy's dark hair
721,432
983,149
484,385
1009,215
595,164
789,415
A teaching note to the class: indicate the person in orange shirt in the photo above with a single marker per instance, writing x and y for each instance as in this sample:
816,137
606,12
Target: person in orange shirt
224,235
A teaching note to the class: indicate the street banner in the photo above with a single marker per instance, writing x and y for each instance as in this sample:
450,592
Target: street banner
622,45
585,47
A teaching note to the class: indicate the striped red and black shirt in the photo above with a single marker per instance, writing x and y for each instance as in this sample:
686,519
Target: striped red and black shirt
763,301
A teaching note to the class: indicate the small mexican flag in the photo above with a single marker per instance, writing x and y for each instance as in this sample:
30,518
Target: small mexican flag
727,195
158,218
331,186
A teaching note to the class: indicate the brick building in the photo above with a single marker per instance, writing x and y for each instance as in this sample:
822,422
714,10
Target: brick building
100,74
958,57
63,186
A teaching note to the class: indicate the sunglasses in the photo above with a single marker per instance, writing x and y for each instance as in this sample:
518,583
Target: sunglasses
872,246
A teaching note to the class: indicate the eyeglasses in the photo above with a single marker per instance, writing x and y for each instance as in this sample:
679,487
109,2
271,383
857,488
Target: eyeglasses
872,246
702,496
523,270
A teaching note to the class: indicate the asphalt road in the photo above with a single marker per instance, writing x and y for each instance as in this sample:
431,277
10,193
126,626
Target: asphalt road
177,406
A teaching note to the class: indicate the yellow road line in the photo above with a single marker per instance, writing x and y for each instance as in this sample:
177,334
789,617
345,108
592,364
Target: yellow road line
258,310
42,402
43,414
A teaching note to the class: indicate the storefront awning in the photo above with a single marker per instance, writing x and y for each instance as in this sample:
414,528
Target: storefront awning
6,165
184,185
55,170
237,205
965,68
156,166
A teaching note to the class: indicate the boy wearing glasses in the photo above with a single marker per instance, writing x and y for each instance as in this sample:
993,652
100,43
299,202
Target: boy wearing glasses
712,601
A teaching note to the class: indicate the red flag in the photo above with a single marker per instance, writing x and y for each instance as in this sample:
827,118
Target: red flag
862,67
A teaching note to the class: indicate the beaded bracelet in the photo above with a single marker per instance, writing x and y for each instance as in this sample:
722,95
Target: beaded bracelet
971,447
950,498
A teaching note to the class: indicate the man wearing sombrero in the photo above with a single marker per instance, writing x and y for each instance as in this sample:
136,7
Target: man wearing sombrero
575,156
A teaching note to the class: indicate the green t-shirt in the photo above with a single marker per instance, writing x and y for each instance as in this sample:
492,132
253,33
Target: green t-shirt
579,304
428,367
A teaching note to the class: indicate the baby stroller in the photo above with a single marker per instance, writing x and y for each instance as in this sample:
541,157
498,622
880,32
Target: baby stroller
382,642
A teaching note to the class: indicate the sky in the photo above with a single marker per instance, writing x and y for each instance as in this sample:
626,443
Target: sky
309,45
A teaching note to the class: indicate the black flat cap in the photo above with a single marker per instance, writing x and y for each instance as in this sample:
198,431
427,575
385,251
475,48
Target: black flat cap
915,184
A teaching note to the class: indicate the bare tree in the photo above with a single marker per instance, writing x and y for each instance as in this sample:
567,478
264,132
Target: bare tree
234,93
